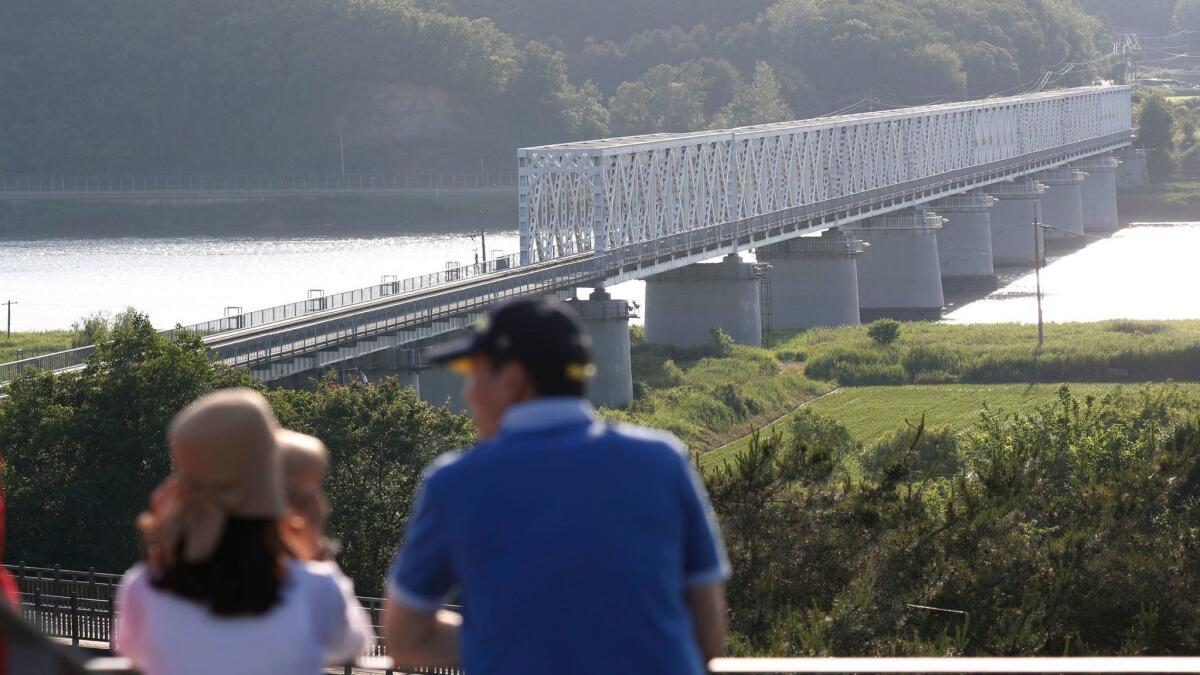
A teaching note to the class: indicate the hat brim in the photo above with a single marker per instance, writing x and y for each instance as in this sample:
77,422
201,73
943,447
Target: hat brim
454,350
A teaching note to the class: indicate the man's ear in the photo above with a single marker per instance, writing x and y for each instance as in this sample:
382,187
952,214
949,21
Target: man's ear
516,381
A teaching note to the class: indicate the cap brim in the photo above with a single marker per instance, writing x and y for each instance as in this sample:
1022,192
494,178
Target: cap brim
454,350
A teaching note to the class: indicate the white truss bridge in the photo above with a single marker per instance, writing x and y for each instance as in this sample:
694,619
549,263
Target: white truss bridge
600,212
641,203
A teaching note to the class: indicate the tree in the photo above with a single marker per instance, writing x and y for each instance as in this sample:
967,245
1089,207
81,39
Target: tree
1156,125
665,99
380,437
759,102
1187,15
84,449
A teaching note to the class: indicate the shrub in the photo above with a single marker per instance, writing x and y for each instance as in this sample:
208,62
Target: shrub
935,377
723,342
827,365
672,374
884,331
1137,327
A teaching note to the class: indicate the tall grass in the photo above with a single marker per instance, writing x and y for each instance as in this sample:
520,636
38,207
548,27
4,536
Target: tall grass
25,345
1138,351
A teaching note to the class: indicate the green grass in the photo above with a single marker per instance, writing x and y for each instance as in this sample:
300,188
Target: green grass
872,413
40,342
710,401
929,353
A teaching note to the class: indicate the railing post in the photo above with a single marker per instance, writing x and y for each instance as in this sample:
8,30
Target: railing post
74,619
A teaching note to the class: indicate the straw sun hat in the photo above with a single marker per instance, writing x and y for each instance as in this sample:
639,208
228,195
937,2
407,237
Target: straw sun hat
227,464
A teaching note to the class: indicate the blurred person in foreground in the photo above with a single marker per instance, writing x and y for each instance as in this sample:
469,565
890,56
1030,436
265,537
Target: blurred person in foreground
217,592
576,546
302,530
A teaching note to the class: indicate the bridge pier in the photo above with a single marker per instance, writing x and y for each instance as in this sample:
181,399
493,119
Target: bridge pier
899,275
1062,206
1100,194
607,322
1013,237
811,281
965,241
684,305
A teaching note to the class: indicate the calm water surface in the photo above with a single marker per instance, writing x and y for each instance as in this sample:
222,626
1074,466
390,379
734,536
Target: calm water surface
1143,272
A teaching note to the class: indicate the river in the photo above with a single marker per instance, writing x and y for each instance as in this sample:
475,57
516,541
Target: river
1142,272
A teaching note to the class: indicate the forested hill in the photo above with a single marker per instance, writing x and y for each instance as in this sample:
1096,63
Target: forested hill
106,86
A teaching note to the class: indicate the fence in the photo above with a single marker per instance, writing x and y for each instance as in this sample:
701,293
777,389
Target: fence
81,607
135,184
319,303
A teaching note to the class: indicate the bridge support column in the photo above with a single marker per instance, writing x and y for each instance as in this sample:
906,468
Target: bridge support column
684,305
442,386
899,275
1062,206
1013,237
811,281
965,241
1100,194
607,322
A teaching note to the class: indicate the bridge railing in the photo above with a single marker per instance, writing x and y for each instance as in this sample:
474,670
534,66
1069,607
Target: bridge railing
262,317
136,184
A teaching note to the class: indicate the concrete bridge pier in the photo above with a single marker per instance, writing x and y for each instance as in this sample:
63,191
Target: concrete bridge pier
1014,241
811,281
607,322
1100,194
1062,207
684,305
899,275
965,241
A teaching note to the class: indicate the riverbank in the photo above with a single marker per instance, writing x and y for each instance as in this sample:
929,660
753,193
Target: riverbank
368,214
29,344
711,397
1168,201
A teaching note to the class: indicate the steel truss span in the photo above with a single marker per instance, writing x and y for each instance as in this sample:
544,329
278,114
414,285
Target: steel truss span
604,195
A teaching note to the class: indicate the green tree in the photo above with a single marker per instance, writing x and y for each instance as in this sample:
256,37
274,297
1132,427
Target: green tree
1187,15
759,102
666,98
1156,124
84,449
380,437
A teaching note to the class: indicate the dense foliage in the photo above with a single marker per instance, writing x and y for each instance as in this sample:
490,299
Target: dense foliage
438,85
83,451
1069,531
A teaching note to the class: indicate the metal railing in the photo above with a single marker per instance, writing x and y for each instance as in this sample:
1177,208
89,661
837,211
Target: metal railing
17,185
923,220
81,607
393,287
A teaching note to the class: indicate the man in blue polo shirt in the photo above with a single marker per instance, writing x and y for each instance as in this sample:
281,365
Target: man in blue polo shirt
574,546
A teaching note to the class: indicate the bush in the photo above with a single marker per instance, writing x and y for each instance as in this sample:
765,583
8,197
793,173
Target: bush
672,374
884,331
792,356
723,342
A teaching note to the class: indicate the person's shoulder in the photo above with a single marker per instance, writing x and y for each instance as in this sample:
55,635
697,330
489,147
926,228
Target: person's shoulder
446,467
314,577
136,577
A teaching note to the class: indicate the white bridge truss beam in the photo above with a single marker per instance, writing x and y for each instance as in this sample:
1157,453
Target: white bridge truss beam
613,194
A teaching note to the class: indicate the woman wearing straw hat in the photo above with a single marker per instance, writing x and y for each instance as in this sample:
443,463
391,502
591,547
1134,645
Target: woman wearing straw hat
217,592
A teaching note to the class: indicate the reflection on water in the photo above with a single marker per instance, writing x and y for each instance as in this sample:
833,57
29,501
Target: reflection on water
1142,272
1146,271
188,280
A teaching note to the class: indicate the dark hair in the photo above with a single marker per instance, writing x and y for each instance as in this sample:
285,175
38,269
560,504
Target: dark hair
244,576
550,380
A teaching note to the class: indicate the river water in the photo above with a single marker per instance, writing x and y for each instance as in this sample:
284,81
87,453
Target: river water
1142,272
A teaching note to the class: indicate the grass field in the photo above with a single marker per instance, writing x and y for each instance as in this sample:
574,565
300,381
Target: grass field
33,343
870,413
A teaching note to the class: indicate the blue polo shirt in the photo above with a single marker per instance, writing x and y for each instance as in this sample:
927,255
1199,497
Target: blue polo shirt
571,543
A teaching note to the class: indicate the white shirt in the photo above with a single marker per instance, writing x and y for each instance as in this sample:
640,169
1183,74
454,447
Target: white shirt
317,622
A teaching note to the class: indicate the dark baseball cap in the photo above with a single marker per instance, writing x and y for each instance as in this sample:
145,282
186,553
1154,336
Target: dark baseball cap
544,335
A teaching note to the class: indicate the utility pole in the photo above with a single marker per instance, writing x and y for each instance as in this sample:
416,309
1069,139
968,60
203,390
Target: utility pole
482,242
1037,270
9,304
